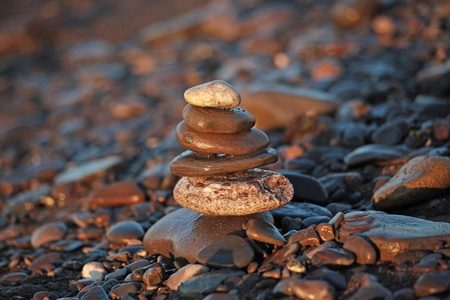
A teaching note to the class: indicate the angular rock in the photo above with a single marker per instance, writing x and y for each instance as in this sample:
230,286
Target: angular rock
230,251
184,232
236,194
190,164
419,179
394,234
264,232
241,143
218,120
216,93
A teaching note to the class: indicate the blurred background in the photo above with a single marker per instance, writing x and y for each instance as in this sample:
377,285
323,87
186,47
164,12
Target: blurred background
82,80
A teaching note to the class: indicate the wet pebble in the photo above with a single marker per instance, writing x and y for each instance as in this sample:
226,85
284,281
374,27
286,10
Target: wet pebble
391,133
305,237
432,283
300,210
364,251
227,252
325,232
333,257
332,277
374,152
93,270
315,220
13,278
124,231
185,273
313,289
306,188
153,276
120,290
209,281
263,231
370,289
419,179
49,232
121,193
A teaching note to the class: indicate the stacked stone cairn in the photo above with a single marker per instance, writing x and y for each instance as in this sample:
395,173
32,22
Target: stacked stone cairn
223,193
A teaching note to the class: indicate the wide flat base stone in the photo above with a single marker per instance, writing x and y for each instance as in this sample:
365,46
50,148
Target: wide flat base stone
184,232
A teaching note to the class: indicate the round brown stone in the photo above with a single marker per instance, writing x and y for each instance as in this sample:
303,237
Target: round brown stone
235,194
218,120
184,232
190,164
242,143
120,193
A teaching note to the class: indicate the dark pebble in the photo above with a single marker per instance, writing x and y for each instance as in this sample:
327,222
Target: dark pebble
315,220
306,188
333,257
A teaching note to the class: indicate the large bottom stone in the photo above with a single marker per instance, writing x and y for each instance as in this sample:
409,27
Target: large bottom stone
184,232
235,194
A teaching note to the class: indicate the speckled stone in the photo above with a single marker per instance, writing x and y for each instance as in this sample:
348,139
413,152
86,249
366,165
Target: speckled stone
184,232
230,251
236,194
241,143
393,234
218,120
215,93
190,164
419,179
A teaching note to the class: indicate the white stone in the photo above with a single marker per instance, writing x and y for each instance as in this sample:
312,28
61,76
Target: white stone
94,270
216,93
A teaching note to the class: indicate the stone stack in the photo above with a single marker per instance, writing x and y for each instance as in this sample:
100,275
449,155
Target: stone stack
220,186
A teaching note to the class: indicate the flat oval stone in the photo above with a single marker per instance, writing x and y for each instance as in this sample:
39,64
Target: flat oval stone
184,232
364,251
49,232
213,143
419,179
13,278
237,194
432,283
190,164
391,133
123,231
230,251
218,120
215,93
374,152
121,193
264,232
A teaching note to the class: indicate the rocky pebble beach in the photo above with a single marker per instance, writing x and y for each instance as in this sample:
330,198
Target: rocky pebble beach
225,150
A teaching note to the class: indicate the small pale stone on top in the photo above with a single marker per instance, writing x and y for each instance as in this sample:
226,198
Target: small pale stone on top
216,93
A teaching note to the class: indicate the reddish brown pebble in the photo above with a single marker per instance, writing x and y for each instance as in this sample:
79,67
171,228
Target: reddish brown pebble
220,143
364,251
121,193
191,164
305,237
218,120
265,232
325,232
